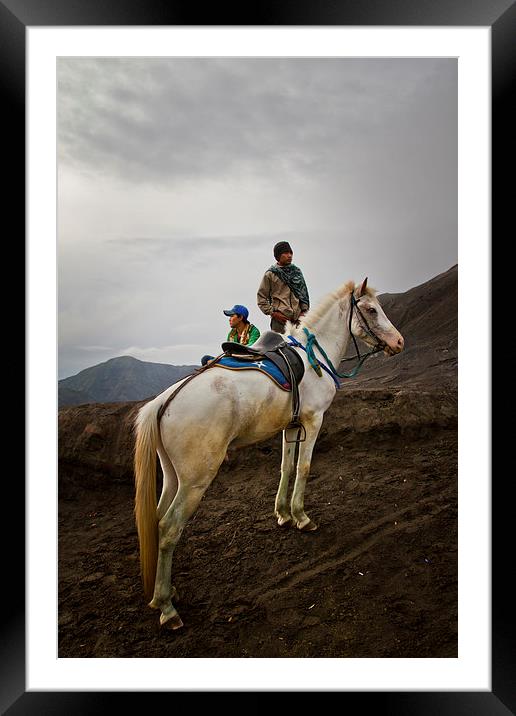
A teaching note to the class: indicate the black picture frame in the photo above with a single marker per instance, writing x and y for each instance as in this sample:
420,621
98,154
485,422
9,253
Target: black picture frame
500,16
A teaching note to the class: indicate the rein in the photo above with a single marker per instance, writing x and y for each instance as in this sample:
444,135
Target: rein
313,343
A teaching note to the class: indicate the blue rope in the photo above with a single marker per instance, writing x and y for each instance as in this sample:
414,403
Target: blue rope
316,364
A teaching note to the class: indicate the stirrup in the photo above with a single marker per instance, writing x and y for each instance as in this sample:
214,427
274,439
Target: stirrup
296,425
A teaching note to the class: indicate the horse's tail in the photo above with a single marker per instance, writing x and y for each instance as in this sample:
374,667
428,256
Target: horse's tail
147,436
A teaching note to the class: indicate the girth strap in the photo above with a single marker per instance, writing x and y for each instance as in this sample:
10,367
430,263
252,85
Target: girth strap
295,423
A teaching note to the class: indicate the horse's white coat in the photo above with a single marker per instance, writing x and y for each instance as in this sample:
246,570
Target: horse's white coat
220,409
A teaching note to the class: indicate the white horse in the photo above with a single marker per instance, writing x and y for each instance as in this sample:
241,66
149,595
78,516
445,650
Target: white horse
224,408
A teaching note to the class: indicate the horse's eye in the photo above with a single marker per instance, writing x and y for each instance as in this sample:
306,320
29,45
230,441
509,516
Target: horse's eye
371,310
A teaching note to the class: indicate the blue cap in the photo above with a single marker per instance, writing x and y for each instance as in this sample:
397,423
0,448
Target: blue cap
241,310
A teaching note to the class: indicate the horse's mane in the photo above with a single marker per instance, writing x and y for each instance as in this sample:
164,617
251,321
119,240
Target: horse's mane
314,314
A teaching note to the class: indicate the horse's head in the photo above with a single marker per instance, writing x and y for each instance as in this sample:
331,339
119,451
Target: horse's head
371,325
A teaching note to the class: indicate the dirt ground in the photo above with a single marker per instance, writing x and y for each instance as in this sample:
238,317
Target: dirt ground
377,579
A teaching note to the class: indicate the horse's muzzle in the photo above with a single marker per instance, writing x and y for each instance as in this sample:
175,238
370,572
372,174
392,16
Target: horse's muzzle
393,348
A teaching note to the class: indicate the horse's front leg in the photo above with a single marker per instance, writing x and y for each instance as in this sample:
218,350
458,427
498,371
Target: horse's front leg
297,505
281,508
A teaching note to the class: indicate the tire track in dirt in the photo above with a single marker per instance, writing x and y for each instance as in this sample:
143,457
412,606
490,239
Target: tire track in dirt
306,572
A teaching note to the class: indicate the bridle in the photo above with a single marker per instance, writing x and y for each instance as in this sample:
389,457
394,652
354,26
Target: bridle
380,345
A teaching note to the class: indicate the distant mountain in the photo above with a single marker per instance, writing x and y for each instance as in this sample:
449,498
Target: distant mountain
119,380
427,312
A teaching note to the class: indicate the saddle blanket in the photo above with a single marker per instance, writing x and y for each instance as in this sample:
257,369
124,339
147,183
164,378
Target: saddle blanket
264,365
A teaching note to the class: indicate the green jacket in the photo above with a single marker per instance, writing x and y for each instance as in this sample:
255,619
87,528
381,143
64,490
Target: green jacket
252,334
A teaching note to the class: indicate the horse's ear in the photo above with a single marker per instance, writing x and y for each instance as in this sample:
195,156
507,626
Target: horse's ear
363,288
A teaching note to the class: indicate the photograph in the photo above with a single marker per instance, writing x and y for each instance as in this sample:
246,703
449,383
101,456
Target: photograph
258,267
205,201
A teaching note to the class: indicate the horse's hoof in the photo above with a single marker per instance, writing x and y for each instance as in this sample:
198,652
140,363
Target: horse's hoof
284,521
308,527
173,622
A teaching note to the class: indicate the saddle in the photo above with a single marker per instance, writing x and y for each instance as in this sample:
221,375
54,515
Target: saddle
272,346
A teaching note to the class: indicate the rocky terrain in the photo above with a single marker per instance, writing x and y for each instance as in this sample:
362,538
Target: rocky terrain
377,579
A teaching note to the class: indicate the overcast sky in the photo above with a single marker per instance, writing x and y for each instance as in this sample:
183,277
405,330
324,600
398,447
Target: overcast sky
177,176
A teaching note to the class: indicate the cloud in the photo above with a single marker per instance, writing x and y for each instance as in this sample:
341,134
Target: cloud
174,120
177,176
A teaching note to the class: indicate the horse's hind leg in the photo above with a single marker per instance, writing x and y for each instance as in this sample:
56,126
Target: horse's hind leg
171,526
281,506
168,490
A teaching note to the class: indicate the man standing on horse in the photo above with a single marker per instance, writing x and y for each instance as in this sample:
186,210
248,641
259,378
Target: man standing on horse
283,294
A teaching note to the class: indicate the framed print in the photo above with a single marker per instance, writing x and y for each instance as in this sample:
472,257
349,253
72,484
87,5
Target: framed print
55,59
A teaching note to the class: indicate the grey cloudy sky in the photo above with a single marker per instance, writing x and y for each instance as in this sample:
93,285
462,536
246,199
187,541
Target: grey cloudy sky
177,176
